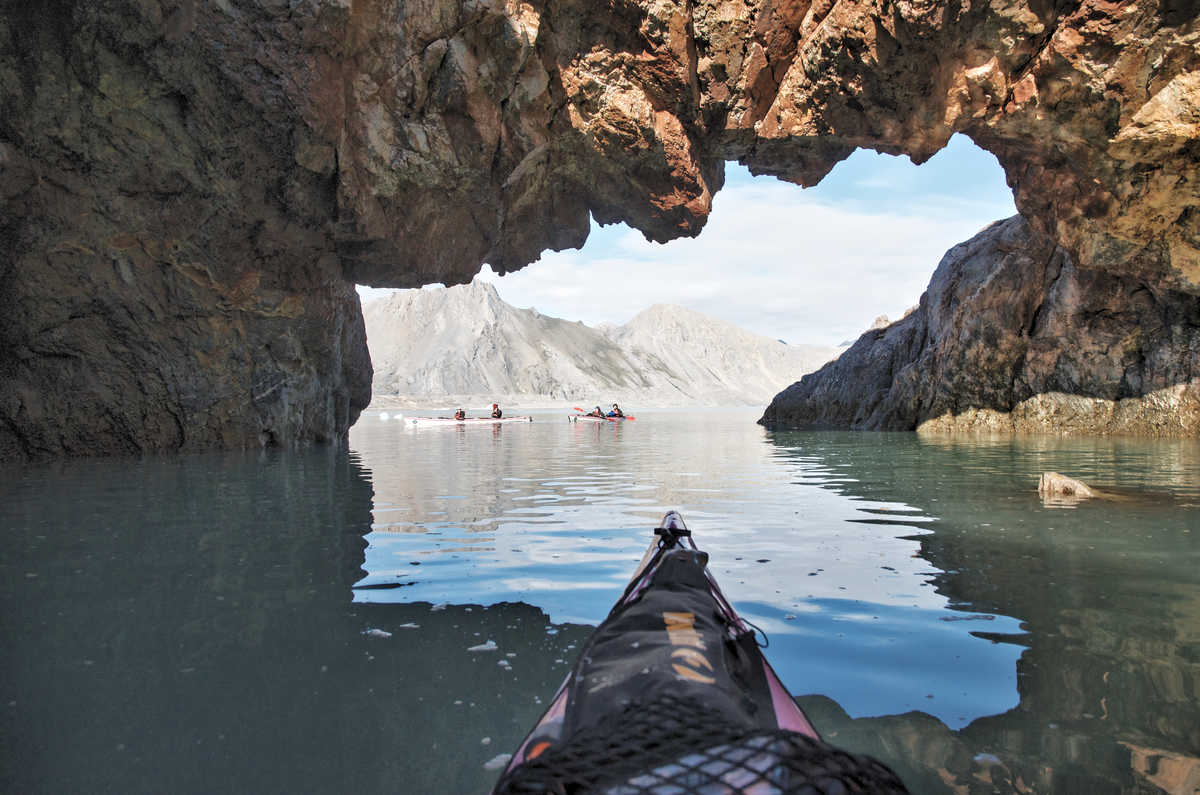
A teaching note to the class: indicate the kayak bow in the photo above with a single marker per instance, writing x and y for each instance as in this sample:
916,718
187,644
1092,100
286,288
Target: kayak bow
671,694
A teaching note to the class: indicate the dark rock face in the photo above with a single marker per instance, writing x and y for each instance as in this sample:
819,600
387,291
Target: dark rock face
188,188
168,278
1011,335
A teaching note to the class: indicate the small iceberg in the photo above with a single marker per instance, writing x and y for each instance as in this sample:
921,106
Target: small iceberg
497,762
376,633
489,646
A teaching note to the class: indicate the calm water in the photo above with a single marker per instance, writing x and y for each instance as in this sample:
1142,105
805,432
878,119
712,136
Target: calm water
201,623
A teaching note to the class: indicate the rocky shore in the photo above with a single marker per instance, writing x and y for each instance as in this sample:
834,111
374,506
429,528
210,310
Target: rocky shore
1011,336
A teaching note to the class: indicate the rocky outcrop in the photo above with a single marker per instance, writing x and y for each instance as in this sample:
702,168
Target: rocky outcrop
1052,485
188,187
464,345
1012,336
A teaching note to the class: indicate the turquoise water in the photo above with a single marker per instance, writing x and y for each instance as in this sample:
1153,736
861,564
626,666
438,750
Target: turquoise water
207,622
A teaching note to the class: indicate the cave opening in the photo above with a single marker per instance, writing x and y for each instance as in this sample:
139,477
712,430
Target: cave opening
813,266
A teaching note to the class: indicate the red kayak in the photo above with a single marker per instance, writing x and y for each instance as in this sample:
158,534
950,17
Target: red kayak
584,417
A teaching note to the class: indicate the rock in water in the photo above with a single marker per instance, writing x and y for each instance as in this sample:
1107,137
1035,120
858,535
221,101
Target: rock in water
1052,484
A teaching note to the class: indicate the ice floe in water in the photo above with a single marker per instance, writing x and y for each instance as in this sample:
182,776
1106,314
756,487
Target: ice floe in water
497,762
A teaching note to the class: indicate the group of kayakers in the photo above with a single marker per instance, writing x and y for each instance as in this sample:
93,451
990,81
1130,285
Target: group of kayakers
496,413
599,412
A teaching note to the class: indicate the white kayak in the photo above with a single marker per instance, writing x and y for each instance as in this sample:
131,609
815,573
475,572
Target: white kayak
467,421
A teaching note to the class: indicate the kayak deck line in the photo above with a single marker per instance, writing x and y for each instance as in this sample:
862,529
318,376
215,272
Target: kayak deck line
672,694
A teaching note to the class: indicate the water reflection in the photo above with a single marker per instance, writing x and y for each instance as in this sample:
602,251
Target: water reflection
185,625
1107,593
197,623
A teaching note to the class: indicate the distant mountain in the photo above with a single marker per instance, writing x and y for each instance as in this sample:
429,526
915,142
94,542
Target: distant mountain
467,344
714,361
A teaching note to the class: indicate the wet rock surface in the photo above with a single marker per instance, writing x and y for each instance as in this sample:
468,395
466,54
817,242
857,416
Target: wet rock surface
189,189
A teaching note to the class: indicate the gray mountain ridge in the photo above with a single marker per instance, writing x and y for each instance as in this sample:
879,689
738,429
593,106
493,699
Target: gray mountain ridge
464,345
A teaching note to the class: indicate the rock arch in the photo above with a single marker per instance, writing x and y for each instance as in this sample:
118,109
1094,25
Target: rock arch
190,189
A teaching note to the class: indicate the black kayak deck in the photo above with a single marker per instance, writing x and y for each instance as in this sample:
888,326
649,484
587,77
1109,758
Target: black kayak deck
672,694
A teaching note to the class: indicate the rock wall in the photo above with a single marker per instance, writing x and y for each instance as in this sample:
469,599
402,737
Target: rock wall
189,188
1012,336
168,272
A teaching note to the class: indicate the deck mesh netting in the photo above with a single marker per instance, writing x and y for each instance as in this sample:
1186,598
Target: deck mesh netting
676,747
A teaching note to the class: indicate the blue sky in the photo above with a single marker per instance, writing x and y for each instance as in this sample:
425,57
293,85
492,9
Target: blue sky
814,265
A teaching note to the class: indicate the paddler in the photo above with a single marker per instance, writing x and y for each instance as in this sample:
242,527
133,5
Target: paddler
496,412
460,415
616,411
596,412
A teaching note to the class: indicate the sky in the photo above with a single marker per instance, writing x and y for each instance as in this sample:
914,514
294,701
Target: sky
813,266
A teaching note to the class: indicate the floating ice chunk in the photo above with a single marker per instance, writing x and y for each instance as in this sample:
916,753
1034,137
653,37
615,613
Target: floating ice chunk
376,633
497,762
489,646
486,741
438,606
383,415
409,625
505,664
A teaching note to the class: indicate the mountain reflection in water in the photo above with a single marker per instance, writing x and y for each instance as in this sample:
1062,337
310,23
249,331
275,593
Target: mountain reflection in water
191,624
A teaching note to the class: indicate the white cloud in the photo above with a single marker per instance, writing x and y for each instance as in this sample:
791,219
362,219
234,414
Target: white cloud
772,259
